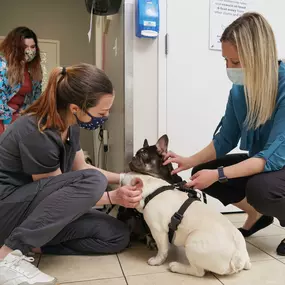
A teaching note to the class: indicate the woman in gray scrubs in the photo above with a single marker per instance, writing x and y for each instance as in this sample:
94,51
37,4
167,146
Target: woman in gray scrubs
47,191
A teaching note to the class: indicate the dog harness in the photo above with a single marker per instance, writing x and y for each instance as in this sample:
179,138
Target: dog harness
178,216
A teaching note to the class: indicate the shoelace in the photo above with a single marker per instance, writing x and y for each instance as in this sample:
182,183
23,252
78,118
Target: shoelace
24,265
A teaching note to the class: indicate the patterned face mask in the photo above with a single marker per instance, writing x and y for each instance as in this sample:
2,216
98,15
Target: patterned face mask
94,123
30,54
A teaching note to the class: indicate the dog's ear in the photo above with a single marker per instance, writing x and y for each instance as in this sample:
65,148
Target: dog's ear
162,144
145,143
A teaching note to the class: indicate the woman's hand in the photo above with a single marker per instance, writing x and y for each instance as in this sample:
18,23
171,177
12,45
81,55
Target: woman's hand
203,179
184,163
128,196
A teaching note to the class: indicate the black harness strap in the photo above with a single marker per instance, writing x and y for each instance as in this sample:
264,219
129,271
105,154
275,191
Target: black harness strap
178,216
181,187
157,192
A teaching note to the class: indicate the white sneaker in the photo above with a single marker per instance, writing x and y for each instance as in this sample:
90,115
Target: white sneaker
16,269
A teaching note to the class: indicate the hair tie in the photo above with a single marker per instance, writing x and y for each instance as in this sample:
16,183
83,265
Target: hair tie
63,72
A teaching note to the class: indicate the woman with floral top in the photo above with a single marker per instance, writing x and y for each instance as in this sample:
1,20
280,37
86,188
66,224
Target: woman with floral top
20,74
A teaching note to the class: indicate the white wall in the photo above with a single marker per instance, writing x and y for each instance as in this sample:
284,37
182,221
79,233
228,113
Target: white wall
197,86
191,33
145,91
149,85
135,105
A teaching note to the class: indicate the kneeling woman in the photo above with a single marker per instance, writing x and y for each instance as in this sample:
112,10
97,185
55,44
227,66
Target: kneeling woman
255,115
46,188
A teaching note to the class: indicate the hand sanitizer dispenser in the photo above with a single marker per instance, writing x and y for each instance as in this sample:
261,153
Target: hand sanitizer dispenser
147,18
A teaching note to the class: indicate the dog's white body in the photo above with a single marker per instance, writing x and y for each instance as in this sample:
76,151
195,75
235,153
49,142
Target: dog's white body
211,241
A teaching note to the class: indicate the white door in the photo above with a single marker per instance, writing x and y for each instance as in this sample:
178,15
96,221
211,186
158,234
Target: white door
196,82
49,57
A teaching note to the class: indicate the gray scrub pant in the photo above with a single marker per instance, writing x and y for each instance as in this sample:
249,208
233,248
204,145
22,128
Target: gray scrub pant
56,215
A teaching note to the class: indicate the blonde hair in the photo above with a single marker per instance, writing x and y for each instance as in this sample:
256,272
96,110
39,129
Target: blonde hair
255,42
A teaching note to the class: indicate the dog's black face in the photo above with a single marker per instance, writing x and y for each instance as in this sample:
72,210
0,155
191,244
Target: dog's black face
149,160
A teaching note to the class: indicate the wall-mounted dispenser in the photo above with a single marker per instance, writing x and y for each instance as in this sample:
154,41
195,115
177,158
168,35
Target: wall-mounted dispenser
147,18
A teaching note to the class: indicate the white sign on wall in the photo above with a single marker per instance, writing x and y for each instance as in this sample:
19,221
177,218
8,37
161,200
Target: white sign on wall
222,14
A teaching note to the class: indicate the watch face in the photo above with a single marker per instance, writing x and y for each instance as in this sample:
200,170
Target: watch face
223,179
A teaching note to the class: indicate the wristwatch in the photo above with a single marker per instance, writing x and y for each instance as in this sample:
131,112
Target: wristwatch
222,177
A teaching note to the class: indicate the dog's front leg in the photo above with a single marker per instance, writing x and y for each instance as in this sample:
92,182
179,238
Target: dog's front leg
162,243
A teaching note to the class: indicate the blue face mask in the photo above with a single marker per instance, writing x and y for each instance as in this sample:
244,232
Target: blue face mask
94,123
236,75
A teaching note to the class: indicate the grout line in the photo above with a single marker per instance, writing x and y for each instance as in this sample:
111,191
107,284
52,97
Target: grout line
150,273
158,273
40,257
122,269
265,235
89,280
274,257
217,278
280,260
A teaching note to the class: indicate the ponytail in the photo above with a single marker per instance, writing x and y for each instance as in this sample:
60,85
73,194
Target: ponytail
45,108
82,85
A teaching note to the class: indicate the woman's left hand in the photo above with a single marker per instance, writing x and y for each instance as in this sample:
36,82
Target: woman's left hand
203,179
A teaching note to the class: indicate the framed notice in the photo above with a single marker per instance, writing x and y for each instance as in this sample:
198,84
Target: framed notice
222,14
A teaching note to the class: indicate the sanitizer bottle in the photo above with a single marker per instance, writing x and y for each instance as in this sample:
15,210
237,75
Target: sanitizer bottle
147,18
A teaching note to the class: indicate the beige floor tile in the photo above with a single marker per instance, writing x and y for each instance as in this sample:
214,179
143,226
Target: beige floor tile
241,217
169,278
134,260
236,218
80,268
272,230
268,244
270,272
282,260
256,254
114,281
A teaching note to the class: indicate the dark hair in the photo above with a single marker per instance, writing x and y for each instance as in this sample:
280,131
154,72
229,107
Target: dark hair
81,84
13,49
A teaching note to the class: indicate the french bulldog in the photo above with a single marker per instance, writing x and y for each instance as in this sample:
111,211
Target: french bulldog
211,241
153,156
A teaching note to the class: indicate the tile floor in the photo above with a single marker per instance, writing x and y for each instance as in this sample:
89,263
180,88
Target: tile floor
130,267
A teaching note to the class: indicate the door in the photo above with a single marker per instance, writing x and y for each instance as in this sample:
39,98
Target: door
197,86
49,57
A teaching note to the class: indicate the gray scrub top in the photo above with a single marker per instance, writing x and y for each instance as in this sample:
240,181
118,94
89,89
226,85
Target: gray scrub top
25,151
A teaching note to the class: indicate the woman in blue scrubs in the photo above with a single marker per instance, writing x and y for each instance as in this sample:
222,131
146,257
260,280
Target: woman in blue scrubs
255,116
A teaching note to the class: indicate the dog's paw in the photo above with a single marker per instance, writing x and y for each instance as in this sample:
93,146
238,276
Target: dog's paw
174,266
155,261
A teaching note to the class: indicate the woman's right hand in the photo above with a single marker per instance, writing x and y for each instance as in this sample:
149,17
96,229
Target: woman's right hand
184,163
127,196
